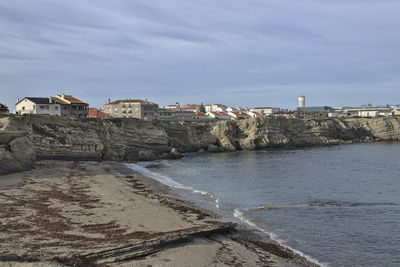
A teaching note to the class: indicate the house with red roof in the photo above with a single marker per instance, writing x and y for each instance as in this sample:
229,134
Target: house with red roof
218,115
238,115
72,106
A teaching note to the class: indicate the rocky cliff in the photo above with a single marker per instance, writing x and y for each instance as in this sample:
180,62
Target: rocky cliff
26,138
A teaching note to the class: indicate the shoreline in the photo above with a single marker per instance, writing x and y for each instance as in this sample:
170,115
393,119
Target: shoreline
105,214
195,196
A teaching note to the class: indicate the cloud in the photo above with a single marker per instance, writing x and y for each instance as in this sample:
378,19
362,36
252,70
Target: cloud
234,52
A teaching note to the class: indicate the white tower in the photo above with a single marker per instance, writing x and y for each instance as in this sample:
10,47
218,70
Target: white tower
302,101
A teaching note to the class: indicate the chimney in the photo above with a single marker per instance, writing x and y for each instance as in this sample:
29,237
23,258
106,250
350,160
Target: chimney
17,99
50,100
63,96
109,101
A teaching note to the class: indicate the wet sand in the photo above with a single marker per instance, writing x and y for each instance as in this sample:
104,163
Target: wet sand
65,213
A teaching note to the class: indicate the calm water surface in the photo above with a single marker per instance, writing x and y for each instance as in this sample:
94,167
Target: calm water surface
337,204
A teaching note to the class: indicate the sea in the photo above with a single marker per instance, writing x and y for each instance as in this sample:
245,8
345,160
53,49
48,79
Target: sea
336,205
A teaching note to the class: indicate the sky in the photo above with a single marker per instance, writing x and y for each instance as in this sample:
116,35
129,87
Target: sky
239,53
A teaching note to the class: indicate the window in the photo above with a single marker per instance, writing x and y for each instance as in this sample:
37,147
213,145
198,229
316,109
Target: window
23,108
41,107
56,107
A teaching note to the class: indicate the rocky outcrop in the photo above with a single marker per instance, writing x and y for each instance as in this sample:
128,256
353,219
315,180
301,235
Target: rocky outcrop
17,151
269,132
26,138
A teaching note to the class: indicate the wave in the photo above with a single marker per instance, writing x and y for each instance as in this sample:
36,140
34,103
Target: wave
143,169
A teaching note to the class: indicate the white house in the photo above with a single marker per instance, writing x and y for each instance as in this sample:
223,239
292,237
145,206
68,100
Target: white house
38,105
238,115
218,115
256,114
218,108
237,109
266,110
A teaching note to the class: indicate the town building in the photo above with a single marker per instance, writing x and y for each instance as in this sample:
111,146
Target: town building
172,114
218,115
314,112
200,116
367,112
96,113
3,109
132,108
39,106
266,110
256,114
72,106
218,108
238,115
237,109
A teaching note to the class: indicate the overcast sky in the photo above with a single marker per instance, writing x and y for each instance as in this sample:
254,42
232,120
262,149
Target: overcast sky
241,53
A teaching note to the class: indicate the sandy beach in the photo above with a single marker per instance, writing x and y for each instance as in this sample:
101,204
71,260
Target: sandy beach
66,213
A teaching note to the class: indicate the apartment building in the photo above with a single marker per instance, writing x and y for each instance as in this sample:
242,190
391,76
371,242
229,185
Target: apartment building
132,108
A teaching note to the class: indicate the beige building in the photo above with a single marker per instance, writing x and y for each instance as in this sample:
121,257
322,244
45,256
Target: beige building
132,108
72,106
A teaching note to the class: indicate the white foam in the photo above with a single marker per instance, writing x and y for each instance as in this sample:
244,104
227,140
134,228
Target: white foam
141,168
240,215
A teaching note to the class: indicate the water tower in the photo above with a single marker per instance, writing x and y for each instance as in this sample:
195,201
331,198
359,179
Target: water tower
302,101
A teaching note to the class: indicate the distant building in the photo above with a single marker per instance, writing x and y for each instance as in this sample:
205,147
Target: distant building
132,108
218,115
191,107
367,112
316,109
239,115
256,114
3,109
218,108
200,116
39,106
315,112
96,113
172,114
237,109
72,106
266,110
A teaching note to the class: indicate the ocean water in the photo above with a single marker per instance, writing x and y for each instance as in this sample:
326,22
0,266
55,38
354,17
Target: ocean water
339,205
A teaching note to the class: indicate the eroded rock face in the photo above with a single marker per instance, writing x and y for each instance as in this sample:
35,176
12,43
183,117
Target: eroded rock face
268,132
17,151
25,138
